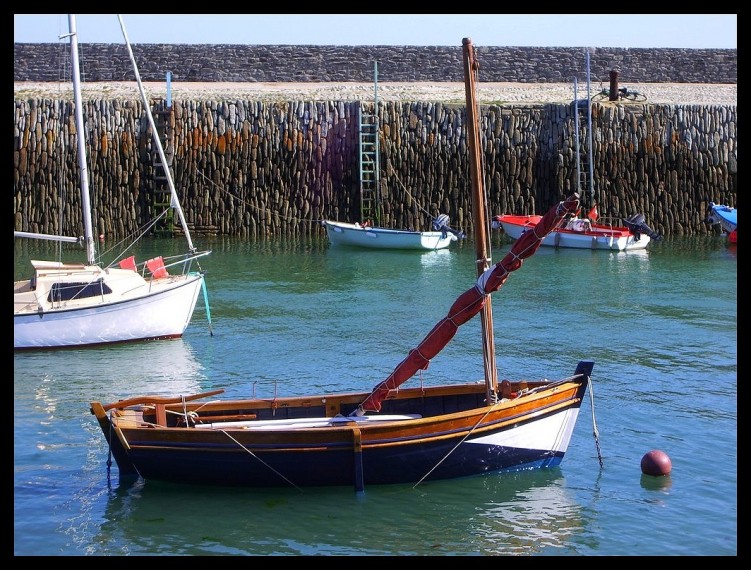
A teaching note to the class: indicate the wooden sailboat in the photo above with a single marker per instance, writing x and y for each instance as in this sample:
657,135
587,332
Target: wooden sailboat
391,434
84,304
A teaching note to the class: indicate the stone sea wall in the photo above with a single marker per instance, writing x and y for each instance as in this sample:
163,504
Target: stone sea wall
311,63
253,169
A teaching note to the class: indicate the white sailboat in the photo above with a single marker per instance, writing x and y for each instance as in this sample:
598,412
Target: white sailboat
84,304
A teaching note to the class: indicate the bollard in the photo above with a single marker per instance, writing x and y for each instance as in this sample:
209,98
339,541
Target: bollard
613,85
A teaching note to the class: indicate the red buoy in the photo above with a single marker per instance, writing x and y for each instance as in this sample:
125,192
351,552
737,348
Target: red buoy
656,463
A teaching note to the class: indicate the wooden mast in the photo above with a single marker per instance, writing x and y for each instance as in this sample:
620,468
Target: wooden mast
478,214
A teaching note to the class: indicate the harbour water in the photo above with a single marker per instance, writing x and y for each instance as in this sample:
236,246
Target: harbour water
291,317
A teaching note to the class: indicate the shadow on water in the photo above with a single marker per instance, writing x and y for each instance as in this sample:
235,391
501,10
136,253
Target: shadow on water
517,513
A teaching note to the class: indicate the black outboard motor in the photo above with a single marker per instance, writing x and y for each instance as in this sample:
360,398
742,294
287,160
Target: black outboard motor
441,224
637,226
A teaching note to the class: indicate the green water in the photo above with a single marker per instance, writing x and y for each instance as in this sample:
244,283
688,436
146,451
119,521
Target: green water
292,317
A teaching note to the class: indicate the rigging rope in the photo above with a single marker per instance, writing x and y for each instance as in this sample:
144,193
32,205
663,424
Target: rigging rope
294,219
259,459
595,431
267,210
462,440
404,189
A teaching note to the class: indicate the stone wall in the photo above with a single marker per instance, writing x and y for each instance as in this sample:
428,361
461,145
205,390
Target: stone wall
252,169
309,63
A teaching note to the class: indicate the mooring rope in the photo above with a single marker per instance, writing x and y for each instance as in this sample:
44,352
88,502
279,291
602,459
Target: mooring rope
595,431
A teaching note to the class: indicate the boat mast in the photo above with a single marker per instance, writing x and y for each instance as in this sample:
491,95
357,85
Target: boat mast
85,199
175,201
478,210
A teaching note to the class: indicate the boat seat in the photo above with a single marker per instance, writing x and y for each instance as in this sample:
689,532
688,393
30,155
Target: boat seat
128,263
156,266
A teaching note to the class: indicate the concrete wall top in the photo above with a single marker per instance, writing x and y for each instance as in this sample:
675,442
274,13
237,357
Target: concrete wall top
313,63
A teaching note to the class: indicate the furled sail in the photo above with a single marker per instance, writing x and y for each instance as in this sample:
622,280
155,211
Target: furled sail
469,303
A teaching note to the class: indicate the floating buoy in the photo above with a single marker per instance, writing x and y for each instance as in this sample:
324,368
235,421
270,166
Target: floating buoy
656,463
101,238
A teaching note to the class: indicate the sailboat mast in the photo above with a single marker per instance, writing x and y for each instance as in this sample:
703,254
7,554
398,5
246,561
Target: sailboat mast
478,210
82,163
175,201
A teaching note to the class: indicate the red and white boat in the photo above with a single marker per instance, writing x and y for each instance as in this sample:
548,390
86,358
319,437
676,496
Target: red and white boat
583,233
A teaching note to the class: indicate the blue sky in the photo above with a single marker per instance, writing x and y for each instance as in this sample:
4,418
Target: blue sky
540,30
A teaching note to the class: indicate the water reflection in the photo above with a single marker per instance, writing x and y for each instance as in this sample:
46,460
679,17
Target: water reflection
651,483
112,372
522,514
309,320
437,258
263,246
689,244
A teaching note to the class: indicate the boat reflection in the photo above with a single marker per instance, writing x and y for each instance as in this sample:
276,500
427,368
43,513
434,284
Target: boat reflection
76,375
437,258
526,513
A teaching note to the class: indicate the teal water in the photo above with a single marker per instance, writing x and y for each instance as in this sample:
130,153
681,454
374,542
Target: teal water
292,317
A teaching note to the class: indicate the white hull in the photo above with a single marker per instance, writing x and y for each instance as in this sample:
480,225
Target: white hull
588,240
552,434
342,233
135,309
77,304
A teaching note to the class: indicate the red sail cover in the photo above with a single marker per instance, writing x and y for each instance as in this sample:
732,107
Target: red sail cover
470,303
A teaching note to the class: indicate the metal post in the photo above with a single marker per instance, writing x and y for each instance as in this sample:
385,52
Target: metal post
576,139
169,89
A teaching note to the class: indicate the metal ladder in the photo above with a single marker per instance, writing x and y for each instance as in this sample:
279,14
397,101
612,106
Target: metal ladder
370,168
583,129
163,119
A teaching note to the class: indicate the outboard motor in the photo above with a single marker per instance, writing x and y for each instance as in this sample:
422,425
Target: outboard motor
441,224
638,226
712,218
